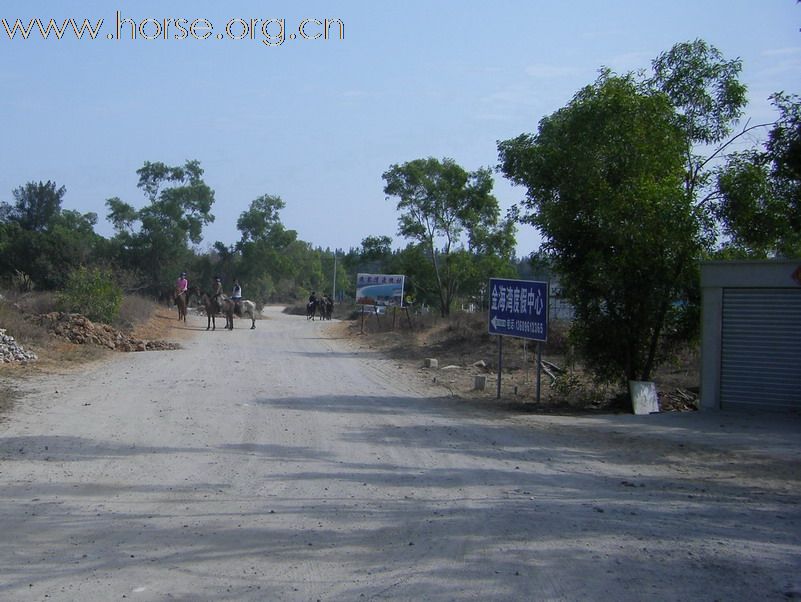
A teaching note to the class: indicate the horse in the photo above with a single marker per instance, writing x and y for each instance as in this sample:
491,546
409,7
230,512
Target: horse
311,309
181,303
245,307
326,308
211,307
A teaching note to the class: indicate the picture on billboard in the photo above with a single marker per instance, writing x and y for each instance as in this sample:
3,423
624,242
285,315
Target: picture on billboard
380,290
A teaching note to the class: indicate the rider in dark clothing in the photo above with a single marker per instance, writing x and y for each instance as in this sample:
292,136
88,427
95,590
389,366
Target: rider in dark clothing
217,292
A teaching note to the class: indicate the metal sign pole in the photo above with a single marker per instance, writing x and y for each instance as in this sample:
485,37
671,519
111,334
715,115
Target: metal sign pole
539,369
500,364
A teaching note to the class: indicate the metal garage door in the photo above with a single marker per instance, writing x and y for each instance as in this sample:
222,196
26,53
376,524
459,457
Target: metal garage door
761,348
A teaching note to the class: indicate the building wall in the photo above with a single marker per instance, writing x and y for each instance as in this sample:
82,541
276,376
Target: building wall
716,277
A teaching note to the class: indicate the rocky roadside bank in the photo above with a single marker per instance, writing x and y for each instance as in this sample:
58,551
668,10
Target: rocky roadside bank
80,330
11,351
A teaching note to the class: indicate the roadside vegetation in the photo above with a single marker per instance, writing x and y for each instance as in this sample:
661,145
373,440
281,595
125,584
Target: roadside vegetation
632,184
137,316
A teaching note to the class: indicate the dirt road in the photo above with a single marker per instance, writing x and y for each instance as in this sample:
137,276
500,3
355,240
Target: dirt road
284,464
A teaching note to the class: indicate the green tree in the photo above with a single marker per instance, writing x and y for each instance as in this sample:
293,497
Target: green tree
439,203
35,205
42,240
262,221
376,248
156,238
708,99
269,258
761,189
605,186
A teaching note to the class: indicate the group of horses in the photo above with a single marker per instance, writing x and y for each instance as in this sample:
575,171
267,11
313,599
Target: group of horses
213,307
323,307
228,308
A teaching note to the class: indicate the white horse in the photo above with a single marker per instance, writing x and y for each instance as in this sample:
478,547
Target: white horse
246,308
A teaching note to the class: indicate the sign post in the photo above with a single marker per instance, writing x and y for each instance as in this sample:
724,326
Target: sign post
518,308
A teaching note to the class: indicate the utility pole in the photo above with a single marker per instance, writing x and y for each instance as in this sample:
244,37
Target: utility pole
334,287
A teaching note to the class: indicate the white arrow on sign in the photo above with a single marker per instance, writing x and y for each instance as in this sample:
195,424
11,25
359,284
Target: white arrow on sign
497,323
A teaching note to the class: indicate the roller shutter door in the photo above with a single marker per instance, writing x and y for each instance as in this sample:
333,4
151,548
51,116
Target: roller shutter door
761,348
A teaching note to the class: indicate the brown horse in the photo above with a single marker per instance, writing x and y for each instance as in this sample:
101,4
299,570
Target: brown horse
181,303
210,305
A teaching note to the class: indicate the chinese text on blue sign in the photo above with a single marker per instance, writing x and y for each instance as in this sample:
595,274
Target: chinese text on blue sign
519,308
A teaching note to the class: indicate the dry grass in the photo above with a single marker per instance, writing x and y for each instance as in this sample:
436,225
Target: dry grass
464,349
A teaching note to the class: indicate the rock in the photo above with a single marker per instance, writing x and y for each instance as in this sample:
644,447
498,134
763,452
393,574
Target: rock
80,330
11,351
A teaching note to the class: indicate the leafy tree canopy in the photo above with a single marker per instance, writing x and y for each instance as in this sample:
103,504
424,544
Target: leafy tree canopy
760,189
35,206
439,202
604,176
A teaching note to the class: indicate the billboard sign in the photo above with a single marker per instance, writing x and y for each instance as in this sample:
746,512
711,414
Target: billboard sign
380,290
519,308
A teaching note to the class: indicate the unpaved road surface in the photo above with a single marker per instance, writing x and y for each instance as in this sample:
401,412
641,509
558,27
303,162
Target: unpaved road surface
286,464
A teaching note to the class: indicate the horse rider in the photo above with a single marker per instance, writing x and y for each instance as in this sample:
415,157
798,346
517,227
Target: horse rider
181,285
217,292
236,297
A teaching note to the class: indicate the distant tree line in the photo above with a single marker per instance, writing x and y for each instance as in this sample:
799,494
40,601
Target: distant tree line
631,184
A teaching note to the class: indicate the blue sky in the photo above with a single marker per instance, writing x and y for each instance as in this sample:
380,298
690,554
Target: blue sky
317,122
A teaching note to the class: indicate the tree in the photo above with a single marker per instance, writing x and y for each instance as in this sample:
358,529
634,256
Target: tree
439,202
40,239
155,239
761,189
261,221
708,99
35,205
264,247
704,89
376,248
605,185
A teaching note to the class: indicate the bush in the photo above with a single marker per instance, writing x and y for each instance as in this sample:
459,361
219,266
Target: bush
92,293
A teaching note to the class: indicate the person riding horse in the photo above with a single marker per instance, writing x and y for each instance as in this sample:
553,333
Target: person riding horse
236,297
181,285
217,293
311,306
182,295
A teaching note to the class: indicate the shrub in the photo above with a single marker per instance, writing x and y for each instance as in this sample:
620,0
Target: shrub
93,293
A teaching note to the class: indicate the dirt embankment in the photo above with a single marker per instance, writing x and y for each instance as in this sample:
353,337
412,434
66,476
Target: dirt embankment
80,330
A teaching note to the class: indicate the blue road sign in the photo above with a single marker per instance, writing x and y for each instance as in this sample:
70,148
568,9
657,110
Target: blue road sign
519,308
